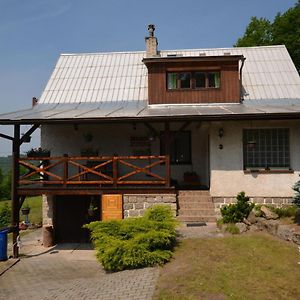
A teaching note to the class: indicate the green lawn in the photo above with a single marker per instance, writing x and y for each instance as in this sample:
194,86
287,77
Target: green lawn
35,203
250,266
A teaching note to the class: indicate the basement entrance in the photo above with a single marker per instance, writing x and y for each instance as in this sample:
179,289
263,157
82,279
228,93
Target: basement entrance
71,213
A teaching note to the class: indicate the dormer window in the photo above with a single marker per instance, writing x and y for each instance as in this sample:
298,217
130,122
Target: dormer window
193,80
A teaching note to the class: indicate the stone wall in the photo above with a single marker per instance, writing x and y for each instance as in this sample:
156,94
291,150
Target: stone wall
134,205
219,202
48,211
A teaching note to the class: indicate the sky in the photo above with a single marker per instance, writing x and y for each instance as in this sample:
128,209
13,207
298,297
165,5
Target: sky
33,33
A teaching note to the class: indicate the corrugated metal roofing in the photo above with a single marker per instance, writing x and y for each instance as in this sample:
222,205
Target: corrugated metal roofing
115,85
47,113
268,73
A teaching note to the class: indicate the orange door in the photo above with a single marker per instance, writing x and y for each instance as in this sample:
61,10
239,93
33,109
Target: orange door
112,207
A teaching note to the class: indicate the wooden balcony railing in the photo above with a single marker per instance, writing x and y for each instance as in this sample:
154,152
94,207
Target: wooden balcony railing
114,171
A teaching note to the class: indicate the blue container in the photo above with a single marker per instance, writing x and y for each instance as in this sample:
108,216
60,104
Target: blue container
3,244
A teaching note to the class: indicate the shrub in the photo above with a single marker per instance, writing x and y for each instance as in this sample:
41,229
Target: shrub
232,228
135,242
285,211
296,188
234,213
5,215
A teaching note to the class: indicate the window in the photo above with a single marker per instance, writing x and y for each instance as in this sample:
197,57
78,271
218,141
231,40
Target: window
195,80
207,79
179,81
266,148
180,147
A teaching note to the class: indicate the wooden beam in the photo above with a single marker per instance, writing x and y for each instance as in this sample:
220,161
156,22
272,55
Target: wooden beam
14,189
184,126
28,133
152,129
5,136
167,138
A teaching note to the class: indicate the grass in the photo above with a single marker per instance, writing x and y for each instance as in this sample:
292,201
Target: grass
250,266
35,203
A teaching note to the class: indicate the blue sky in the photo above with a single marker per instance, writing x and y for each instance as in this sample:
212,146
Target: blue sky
34,32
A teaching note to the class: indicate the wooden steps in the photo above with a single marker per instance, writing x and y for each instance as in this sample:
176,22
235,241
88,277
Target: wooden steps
195,206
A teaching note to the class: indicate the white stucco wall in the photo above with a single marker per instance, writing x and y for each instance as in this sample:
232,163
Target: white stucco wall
110,139
227,175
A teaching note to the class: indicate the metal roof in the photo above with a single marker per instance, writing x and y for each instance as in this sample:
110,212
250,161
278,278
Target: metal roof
114,86
268,73
129,110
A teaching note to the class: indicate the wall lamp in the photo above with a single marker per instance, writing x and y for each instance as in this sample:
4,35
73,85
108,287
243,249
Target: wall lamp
221,132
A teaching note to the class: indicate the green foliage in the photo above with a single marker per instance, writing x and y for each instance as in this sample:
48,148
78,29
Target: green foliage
135,242
285,211
232,228
234,213
5,215
284,30
258,33
296,188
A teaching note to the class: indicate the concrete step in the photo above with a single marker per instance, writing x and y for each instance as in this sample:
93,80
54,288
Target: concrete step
196,212
187,219
194,199
194,193
195,205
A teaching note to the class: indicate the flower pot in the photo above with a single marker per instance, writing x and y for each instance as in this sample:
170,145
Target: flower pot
25,211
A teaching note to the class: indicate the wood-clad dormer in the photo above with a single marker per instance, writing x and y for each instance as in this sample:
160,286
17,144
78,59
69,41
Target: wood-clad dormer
191,80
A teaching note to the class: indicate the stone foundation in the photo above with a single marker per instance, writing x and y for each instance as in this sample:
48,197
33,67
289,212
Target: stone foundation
134,205
48,210
219,202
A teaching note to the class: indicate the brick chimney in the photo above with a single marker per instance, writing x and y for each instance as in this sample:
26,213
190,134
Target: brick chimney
151,42
34,101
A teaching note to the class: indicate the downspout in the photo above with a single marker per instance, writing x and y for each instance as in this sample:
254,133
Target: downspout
241,80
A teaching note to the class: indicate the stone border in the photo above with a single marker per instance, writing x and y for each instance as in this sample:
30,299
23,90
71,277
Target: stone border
134,205
219,202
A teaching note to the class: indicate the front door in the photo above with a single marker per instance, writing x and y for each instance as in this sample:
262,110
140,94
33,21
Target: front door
112,207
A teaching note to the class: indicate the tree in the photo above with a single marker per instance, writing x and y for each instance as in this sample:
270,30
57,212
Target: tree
284,30
258,33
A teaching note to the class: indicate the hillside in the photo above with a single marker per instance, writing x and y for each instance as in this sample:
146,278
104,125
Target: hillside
5,164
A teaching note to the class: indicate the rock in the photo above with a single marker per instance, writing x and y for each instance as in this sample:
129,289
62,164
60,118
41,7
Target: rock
285,232
242,227
296,238
254,228
268,214
245,221
252,219
270,226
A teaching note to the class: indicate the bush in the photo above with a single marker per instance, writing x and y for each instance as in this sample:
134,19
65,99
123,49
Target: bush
296,188
135,242
234,213
232,228
285,211
5,215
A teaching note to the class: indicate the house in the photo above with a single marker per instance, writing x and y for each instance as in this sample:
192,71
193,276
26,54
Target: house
188,128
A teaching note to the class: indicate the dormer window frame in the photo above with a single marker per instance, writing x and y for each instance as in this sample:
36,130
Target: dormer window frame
177,75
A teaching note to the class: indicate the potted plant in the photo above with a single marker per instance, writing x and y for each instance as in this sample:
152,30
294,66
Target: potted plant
25,209
38,152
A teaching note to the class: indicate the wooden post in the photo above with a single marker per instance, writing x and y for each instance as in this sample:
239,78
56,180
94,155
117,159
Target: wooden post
115,171
66,169
167,140
14,188
168,171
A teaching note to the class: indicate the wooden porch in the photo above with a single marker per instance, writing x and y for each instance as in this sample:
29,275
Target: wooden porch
93,175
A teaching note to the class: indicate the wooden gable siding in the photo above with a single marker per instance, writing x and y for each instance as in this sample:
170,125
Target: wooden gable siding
229,91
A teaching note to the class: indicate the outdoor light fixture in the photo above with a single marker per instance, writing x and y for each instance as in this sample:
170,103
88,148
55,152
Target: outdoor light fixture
221,132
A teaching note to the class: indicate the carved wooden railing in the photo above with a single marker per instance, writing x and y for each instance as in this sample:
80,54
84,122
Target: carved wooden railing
103,170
